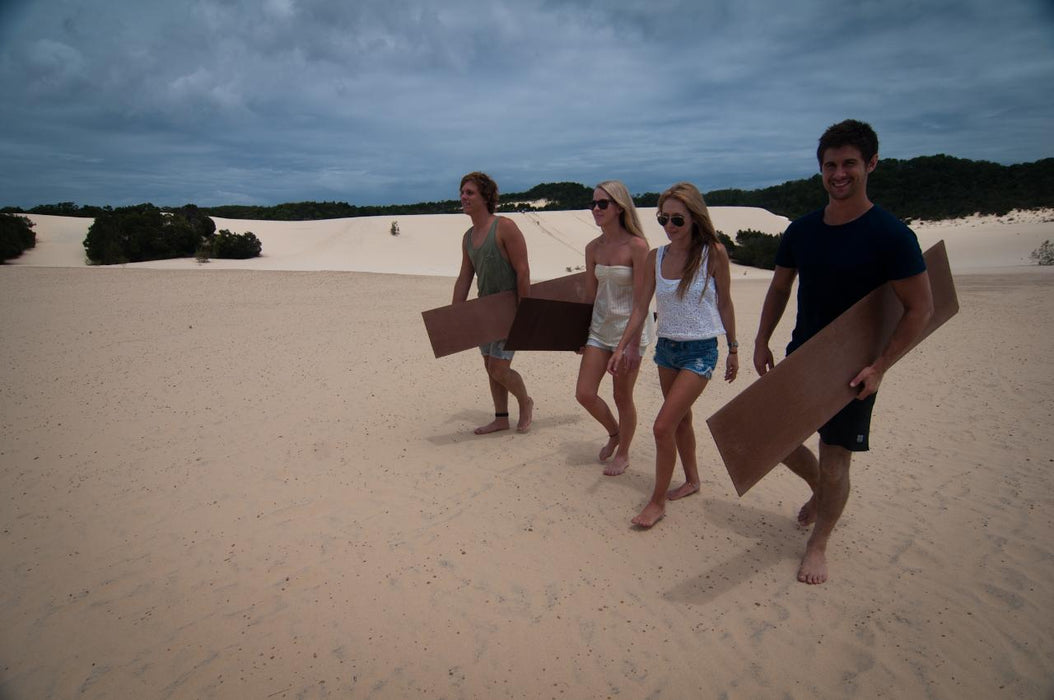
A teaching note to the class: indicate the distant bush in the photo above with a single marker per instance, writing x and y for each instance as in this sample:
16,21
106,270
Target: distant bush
138,233
755,249
232,246
726,242
16,236
1043,255
144,232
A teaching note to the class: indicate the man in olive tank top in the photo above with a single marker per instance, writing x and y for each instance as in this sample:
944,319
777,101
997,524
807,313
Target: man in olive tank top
495,252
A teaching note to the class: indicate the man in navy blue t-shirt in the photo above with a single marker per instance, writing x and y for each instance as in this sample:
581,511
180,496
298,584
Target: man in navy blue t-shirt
839,254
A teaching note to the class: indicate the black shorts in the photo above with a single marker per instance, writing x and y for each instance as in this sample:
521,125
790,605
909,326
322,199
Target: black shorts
851,426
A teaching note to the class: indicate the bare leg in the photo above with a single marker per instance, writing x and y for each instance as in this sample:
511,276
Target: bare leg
804,463
590,372
686,451
627,419
680,389
500,395
502,373
831,496
504,381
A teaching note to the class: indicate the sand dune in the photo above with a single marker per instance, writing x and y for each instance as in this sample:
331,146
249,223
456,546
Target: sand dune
428,245
258,483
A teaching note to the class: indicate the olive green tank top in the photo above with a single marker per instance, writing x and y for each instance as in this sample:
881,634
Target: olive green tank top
493,272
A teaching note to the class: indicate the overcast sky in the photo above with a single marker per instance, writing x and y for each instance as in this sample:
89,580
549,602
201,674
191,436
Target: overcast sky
391,101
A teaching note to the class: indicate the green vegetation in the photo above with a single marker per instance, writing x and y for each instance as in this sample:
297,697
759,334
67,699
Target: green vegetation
753,248
233,246
16,236
928,187
1043,255
144,232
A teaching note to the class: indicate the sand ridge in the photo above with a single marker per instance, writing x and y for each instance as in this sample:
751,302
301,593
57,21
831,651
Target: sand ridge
259,483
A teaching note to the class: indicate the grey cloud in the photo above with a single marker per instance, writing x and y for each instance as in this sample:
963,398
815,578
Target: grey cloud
391,101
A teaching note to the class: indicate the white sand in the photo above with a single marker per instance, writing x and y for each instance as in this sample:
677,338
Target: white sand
250,483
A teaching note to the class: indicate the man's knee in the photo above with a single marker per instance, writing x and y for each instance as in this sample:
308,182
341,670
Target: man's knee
498,369
834,463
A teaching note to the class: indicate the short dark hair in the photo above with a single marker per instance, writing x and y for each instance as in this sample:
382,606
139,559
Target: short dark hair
849,133
488,189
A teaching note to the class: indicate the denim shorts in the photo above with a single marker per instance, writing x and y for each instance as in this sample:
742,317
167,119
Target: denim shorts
699,356
496,349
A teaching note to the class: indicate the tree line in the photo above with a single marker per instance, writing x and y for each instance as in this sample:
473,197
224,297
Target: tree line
926,187
923,188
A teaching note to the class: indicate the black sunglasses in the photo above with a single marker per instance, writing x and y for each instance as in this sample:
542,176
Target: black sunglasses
677,219
602,203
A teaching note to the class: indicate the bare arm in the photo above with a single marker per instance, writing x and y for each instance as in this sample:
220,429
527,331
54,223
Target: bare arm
514,247
591,269
642,294
464,278
915,294
723,281
771,312
639,253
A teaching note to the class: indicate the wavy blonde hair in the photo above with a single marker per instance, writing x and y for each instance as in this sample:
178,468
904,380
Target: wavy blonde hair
628,216
703,233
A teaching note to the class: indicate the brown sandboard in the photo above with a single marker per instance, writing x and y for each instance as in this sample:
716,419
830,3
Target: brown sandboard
471,323
779,411
547,324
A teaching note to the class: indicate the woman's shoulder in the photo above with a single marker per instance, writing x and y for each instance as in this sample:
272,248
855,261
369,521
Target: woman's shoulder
719,251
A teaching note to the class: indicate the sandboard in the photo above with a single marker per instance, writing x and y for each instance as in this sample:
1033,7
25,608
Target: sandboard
471,323
548,324
779,411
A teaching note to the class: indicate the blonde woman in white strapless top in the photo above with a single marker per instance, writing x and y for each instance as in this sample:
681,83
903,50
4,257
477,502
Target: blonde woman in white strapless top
615,269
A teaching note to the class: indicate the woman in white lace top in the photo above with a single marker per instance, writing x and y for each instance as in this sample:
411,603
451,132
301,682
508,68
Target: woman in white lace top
690,280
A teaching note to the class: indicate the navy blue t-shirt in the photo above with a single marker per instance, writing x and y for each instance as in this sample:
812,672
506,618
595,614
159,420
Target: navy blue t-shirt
838,265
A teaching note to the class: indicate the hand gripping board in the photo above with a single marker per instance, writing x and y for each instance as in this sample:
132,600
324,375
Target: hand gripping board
458,327
771,417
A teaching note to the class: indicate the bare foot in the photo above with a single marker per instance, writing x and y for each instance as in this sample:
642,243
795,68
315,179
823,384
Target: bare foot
617,466
526,416
813,569
685,489
494,426
609,449
807,514
649,516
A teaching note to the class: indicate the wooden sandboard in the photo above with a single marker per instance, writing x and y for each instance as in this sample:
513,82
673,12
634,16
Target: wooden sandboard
547,324
471,323
767,420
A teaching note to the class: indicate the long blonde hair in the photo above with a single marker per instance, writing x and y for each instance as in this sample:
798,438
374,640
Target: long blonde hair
703,233
628,217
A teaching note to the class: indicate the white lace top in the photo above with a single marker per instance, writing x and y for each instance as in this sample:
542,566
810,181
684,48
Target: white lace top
694,317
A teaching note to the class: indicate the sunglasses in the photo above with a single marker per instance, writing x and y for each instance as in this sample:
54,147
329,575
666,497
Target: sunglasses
602,203
677,219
